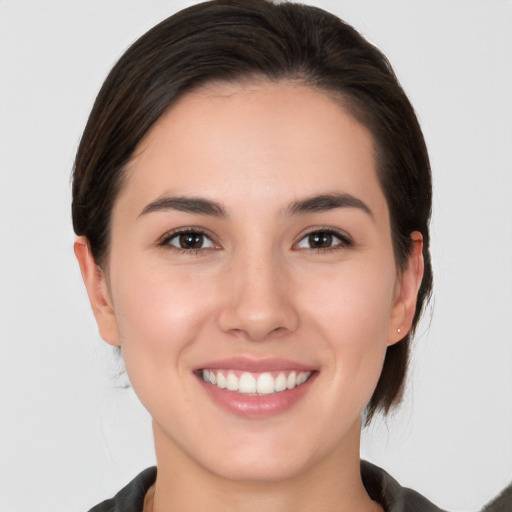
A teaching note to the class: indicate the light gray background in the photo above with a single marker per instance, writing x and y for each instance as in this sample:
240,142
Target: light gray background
70,436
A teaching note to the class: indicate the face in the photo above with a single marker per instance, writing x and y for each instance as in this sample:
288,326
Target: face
251,281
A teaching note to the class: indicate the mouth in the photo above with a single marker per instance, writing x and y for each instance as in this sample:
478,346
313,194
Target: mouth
256,389
255,384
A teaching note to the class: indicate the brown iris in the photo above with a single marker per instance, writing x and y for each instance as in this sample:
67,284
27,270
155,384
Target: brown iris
191,240
320,240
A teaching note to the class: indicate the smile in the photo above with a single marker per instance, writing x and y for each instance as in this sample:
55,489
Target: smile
255,384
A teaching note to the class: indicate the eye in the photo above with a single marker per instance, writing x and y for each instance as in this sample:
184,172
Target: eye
324,239
189,240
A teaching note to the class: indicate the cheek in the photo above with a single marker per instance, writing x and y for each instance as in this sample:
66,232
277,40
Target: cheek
158,314
352,312
355,302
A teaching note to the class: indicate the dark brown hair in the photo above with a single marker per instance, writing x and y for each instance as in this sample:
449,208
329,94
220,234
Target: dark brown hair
245,40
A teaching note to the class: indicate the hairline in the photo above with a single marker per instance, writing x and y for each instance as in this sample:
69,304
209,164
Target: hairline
348,103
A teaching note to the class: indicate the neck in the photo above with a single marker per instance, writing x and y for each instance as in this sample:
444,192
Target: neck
332,485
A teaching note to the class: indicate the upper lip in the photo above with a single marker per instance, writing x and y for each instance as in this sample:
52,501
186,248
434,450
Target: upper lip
243,363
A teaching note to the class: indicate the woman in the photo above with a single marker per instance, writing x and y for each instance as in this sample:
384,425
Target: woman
252,196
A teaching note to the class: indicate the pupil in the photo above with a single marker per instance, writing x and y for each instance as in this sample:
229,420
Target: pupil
320,240
191,240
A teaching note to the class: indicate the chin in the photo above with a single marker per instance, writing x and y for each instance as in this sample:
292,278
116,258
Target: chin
258,469
265,458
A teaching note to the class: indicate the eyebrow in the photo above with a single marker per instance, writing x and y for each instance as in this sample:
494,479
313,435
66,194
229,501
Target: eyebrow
185,204
201,206
326,202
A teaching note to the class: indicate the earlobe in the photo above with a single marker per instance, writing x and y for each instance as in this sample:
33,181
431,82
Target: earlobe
97,291
406,294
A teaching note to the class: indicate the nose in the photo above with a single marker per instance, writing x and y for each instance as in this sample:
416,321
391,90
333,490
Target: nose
258,301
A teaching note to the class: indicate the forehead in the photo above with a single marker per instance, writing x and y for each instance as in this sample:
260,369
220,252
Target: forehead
267,141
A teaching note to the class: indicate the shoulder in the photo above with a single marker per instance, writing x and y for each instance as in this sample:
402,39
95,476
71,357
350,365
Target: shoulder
502,503
384,489
380,486
131,497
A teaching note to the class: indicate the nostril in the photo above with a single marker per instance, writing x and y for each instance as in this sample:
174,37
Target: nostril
256,315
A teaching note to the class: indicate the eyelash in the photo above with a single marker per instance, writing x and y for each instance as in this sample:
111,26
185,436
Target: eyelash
344,241
166,239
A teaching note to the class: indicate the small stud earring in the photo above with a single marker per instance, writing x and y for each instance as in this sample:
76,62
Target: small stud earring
399,330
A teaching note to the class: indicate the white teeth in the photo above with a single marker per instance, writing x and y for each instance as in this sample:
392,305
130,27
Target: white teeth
221,380
301,378
265,384
247,384
251,384
280,383
232,382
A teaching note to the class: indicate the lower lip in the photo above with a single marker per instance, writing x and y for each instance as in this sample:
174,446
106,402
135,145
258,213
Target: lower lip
256,407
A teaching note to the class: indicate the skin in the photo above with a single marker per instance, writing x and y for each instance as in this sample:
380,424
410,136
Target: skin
255,288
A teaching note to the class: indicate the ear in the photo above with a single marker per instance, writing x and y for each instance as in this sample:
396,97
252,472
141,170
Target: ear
97,290
406,292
